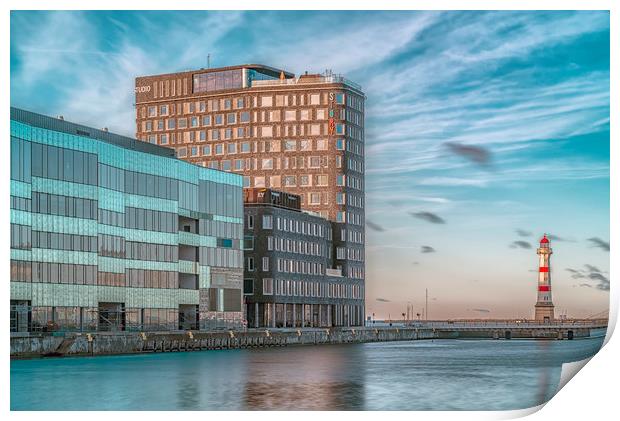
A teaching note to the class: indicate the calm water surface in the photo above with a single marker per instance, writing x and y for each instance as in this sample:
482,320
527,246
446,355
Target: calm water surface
417,375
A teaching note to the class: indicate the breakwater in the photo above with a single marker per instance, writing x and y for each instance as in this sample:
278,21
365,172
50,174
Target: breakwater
110,343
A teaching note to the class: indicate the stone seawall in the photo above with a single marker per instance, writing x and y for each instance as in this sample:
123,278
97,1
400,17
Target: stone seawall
103,343
108,343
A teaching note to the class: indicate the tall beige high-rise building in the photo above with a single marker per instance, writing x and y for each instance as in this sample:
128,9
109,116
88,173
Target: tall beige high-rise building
303,135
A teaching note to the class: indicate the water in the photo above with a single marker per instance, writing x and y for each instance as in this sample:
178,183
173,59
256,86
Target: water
416,375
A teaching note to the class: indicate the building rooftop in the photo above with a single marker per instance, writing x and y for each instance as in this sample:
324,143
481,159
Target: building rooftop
60,125
272,71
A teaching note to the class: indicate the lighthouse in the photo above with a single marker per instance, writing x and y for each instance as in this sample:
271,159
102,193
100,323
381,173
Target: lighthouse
544,306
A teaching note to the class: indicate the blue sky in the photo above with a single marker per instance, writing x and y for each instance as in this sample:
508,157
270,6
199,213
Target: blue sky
531,88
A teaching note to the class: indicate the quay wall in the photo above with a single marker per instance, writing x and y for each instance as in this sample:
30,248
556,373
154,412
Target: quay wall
112,343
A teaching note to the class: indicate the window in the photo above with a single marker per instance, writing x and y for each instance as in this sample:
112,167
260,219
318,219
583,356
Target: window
206,120
219,119
248,286
289,180
238,164
227,104
266,101
267,222
160,125
194,121
240,103
315,162
231,118
259,181
171,122
250,221
340,217
339,179
267,163
315,99
215,134
163,139
340,98
148,126
182,123
269,243
339,128
245,147
275,181
152,111
321,180
315,198
248,243
305,145
206,150
304,180
226,165
265,264
340,144
181,152
340,198
244,117
290,115
194,151
267,286
163,110
249,264
202,135
290,145
219,149
231,148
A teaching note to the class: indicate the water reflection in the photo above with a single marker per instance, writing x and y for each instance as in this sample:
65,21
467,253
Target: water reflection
306,378
419,375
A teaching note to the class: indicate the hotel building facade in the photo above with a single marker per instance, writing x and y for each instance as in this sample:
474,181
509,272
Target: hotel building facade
301,135
108,233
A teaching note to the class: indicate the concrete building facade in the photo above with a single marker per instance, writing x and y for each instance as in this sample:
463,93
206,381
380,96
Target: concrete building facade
108,233
289,276
302,135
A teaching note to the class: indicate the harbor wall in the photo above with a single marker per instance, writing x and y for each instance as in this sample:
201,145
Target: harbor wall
112,343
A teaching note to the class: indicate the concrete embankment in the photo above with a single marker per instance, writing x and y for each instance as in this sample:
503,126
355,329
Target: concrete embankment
104,343
111,343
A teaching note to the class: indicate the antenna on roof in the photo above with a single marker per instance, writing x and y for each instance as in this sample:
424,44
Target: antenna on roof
209,61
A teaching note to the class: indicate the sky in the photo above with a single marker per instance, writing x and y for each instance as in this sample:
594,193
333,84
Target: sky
484,130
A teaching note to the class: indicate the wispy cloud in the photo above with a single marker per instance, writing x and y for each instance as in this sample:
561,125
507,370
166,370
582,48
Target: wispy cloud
520,244
597,242
427,249
428,217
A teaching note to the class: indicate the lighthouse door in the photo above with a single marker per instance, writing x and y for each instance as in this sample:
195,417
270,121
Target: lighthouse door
546,319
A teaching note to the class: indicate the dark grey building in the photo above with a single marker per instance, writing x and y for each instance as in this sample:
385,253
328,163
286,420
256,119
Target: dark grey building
289,276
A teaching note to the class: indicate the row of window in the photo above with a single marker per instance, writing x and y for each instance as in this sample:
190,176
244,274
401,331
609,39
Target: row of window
60,241
21,236
288,145
21,203
152,252
64,164
296,246
142,184
55,273
349,253
111,246
73,207
302,288
151,220
302,227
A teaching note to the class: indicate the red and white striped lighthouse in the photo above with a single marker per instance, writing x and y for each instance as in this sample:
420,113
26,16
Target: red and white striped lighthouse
544,306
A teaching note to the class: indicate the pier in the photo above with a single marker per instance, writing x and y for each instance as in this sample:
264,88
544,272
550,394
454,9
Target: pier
32,345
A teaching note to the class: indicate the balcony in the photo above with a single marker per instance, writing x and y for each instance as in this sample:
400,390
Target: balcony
189,238
186,266
333,272
308,79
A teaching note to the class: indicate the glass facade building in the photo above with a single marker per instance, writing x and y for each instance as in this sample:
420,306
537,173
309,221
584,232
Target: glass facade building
108,233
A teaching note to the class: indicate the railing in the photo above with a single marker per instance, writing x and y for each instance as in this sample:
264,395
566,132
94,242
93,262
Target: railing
316,79
490,324
333,272
187,266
